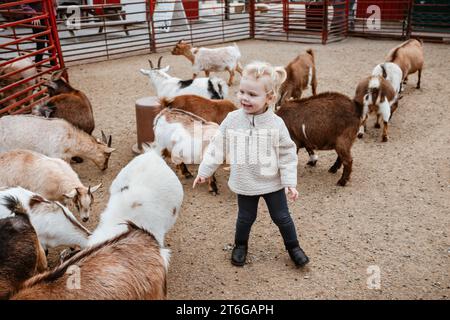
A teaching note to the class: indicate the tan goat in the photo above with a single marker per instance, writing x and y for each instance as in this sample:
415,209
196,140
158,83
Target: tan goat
52,178
409,57
301,73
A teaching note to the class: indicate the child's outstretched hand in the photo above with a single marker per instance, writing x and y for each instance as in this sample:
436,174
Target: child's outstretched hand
292,193
198,180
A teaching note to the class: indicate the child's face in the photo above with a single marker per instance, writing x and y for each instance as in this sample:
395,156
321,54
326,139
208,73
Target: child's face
252,96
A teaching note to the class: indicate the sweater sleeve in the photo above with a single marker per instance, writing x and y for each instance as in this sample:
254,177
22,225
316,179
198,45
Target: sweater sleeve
287,158
215,153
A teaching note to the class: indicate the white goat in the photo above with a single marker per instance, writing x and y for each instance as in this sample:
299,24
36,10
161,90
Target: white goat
170,87
146,192
206,59
185,137
55,138
392,73
127,259
52,178
55,225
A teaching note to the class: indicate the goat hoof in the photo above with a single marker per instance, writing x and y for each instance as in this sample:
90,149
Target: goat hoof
188,175
333,169
385,139
311,163
377,125
360,135
214,192
418,87
342,182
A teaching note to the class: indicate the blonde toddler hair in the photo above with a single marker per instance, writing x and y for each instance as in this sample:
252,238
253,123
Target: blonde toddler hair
272,77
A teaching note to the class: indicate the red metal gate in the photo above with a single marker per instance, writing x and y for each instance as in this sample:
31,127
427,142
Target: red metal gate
29,50
301,21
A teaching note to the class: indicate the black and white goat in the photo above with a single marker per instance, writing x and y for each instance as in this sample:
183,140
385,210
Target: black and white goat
169,87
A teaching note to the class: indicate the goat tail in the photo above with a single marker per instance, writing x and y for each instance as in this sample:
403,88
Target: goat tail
383,69
165,102
310,52
14,205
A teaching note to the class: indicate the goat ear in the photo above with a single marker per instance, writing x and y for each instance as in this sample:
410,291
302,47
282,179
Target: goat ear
110,150
145,72
94,188
71,194
36,199
165,69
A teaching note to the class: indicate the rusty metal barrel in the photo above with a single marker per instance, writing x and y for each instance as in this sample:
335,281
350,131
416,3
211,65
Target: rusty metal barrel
147,109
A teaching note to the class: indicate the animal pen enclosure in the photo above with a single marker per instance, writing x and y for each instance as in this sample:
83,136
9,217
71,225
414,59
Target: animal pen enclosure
29,49
102,30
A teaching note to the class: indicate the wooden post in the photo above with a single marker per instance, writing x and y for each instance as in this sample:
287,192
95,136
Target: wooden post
151,9
409,19
325,22
227,9
252,18
146,110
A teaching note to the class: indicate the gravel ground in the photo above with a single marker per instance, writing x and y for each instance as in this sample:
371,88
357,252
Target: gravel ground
394,213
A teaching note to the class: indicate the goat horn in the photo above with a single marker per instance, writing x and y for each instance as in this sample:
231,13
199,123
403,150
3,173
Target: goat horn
109,141
159,62
57,74
151,63
103,137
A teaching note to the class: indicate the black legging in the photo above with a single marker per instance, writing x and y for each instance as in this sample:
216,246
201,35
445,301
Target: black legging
39,44
279,212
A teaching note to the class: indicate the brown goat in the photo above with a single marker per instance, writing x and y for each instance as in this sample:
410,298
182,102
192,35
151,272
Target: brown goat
210,110
127,267
21,255
409,57
301,73
67,103
377,95
324,122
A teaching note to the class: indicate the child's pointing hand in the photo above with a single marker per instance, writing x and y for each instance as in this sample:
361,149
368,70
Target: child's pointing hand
292,193
198,180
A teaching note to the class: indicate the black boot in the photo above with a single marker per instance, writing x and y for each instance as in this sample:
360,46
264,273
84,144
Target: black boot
298,256
239,254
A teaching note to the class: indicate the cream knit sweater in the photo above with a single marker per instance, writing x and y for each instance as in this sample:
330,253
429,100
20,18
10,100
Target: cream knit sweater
262,156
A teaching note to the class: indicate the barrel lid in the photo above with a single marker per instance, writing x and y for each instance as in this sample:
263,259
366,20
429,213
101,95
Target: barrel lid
148,102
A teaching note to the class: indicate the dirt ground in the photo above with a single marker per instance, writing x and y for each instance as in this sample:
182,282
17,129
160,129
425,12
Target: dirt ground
394,213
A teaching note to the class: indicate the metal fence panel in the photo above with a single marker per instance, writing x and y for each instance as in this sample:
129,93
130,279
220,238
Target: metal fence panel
29,50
